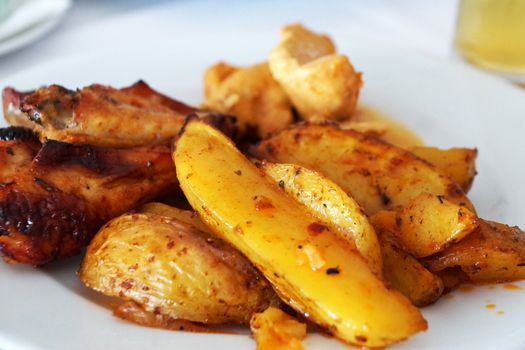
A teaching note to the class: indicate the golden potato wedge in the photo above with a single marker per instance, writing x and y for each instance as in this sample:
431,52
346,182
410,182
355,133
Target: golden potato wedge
321,83
430,223
406,274
328,202
249,93
171,268
186,216
458,163
376,174
493,253
316,272
275,330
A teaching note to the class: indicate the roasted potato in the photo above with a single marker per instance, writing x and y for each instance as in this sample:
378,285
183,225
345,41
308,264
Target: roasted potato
249,93
406,274
492,253
458,163
330,204
316,272
376,174
175,270
428,224
275,330
321,83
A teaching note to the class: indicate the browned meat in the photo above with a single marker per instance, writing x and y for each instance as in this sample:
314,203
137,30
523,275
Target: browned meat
55,196
97,115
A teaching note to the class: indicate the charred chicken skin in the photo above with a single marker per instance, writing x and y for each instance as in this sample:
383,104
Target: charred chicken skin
97,115
55,196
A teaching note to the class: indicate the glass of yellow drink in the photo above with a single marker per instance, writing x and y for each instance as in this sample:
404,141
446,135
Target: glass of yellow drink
491,35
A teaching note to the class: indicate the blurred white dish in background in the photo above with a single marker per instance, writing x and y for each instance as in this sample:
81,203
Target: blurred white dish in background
27,20
6,7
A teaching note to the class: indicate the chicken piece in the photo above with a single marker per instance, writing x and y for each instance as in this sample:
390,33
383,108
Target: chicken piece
97,115
251,94
55,196
11,102
321,83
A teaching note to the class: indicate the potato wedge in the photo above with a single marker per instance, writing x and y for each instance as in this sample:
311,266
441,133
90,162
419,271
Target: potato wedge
376,174
249,93
457,163
320,83
429,223
406,274
317,273
273,329
171,268
328,202
493,253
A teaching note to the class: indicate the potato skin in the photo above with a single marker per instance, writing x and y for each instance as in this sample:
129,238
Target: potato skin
494,252
173,269
376,174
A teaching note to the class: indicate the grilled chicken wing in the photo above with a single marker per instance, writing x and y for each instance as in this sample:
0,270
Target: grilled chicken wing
98,115
55,196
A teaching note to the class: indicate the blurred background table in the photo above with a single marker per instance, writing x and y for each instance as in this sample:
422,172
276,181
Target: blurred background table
424,25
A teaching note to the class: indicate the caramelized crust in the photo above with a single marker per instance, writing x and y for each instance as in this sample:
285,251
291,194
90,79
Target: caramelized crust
98,115
54,197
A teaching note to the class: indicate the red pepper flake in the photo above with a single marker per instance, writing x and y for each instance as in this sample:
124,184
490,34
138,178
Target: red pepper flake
238,229
127,284
262,203
316,228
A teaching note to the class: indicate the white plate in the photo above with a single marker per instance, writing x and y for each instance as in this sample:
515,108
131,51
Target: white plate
25,30
448,104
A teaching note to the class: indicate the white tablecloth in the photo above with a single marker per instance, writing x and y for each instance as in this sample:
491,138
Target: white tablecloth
424,25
